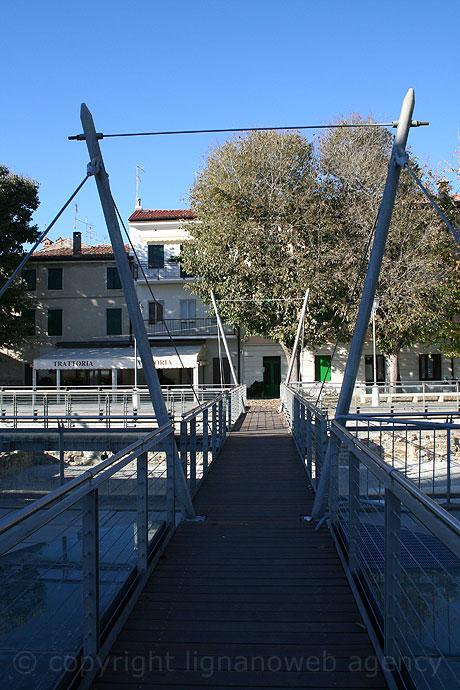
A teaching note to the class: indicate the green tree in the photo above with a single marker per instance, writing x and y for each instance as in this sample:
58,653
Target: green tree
352,165
18,200
276,214
258,242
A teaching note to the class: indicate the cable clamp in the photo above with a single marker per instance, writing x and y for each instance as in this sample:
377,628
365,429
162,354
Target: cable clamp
94,167
401,157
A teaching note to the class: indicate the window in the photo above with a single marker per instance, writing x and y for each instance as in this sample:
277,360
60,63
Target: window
29,278
113,278
55,279
187,316
113,321
369,368
28,316
54,321
156,311
322,367
430,367
156,256
220,376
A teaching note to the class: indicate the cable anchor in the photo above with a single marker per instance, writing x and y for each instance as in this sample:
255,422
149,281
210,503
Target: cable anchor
94,166
401,157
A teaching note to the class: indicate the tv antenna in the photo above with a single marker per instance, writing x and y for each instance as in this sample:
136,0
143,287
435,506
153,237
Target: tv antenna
138,180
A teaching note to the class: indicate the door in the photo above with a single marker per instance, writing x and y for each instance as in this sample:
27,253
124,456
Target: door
322,367
272,376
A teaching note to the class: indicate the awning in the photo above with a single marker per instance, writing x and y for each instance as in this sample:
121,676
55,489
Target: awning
164,357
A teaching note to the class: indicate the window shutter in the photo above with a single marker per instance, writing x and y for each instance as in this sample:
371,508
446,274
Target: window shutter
156,256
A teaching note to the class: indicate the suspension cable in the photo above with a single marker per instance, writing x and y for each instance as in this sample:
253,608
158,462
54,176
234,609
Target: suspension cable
100,135
454,233
342,325
41,238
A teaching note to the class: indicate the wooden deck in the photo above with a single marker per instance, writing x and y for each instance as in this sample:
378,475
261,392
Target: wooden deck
253,596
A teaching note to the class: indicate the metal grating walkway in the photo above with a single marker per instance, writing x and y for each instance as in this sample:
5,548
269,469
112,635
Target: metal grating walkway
253,596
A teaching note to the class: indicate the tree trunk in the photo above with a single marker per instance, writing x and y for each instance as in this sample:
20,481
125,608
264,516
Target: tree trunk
392,361
295,371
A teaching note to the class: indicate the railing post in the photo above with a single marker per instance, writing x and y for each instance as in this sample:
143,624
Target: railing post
61,452
192,453
142,512
309,445
90,574
170,479
221,422
229,411
205,437
183,446
392,572
334,485
295,421
353,511
214,438
448,487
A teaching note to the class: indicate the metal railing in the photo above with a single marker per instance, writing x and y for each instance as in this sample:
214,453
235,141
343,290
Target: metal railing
309,427
21,406
400,548
187,327
415,393
73,561
425,448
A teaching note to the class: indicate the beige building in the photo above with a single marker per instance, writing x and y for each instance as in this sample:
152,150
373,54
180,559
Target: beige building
78,311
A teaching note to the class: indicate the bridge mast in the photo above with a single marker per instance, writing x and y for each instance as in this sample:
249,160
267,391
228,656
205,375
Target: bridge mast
397,160
96,166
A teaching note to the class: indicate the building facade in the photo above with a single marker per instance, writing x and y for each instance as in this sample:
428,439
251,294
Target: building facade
175,318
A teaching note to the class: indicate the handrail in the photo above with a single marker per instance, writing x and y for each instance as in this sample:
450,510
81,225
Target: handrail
87,476
374,463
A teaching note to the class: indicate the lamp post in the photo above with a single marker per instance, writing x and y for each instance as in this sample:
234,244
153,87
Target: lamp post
135,395
375,388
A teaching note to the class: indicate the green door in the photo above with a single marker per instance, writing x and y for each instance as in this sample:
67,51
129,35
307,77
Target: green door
322,368
272,376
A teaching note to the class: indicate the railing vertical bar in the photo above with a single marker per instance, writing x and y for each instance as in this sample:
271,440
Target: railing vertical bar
90,574
392,573
205,437
192,453
142,512
353,511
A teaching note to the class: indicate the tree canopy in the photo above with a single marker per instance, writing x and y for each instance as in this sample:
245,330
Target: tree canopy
18,201
276,214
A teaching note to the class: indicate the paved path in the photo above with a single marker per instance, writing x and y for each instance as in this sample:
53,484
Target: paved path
253,596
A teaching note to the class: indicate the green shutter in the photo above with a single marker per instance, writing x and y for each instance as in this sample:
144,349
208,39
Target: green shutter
156,256
29,278
55,279
113,278
113,321
54,321
28,316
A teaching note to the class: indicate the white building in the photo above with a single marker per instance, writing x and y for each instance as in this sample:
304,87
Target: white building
177,322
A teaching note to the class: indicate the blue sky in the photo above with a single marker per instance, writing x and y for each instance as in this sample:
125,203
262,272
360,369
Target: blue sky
208,64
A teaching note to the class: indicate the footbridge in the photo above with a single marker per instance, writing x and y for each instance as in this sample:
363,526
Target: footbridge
107,583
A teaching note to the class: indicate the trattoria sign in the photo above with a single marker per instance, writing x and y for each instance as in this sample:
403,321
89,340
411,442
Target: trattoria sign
73,364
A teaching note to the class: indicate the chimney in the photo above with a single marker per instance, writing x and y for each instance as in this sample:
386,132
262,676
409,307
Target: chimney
47,242
443,187
138,204
76,243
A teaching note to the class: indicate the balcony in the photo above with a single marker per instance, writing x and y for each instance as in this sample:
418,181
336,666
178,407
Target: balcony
172,270
201,328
